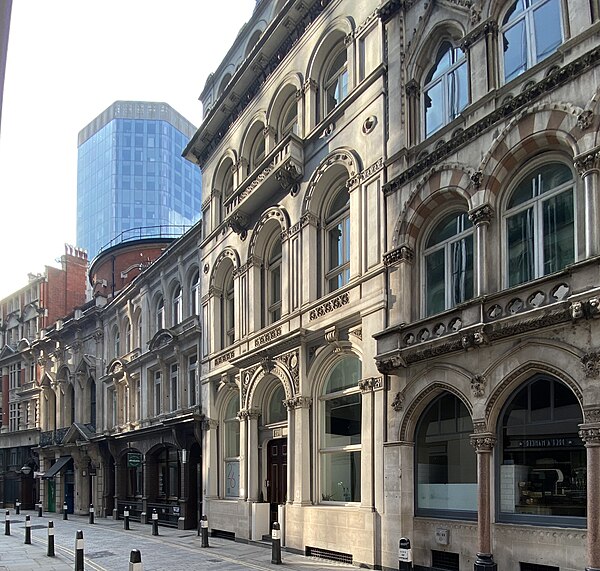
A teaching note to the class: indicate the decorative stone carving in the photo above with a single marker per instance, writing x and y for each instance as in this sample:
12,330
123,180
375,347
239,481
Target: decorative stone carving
481,215
476,179
591,415
365,174
238,222
390,364
585,119
287,177
591,364
329,306
398,402
403,253
483,442
268,337
267,364
298,402
370,384
590,433
587,162
478,383
225,357
292,363
412,88
249,414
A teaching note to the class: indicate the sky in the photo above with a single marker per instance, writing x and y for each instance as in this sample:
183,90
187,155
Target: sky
68,60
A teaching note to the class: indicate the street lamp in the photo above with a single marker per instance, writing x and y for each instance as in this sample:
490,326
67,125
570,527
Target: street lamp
26,470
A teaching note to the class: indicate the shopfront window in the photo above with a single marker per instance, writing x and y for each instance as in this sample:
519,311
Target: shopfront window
543,461
446,470
168,473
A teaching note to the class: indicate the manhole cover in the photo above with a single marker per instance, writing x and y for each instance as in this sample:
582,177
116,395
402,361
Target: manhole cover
99,554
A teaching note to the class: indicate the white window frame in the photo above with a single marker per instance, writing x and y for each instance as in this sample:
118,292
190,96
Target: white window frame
195,294
337,80
160,314
174,386
333,222
272,264
177,305
536,204
530,34
228,422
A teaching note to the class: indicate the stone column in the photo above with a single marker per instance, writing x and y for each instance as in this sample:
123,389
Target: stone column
146,479
310,89
590,434
242,416
253,488
588,166
367,499
481,217
483,444
210,458
413,112
300,440
270,135
400,267
310,268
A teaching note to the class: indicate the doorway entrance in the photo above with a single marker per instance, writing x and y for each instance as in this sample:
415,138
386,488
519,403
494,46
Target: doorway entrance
277,475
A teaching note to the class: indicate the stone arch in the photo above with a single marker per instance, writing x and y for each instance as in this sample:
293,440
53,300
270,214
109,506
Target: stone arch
227,254
252,378
257,240
429,196
334,32
330,167
254,128
537,129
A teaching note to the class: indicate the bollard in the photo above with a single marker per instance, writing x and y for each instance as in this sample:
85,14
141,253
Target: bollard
276,544
91,514
7,523
18,507
65,511
79,551
126,519
154,522
135,560
40,512
404,555
50,539
27,530
204,531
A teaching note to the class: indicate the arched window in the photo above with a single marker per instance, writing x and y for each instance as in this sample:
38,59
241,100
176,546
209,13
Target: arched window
195,294
445,89
446,463
277,412
531,31
272,281
337,229
543,476
160,314
223,85
288,121
128,337
335,79
540,223
227,311
140,331
177,306
257,150
340,432
231,448
116,342
449,263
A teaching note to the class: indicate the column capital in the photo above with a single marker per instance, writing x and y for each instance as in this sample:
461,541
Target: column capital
587,162
483,441
298,402
412,88
590,433
248,414
481,214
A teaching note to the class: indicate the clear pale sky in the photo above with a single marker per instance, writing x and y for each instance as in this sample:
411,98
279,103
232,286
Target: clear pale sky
68,60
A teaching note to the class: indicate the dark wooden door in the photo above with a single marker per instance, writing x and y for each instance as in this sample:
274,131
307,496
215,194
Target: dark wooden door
277,474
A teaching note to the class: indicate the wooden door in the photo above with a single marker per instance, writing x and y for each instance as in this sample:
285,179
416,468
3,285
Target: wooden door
277,474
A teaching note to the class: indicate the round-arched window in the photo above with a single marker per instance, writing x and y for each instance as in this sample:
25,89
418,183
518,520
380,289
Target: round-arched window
277,412
446,463
542,459
231,448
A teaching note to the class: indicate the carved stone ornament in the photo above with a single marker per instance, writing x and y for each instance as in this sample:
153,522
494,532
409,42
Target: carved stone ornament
590,433
591,364
585,119
238,223
592,415
412,88
403,253
298,402
287,177
267,364
587,162
481,215
398,402
370,384
390,364
249,414
478,383
483,442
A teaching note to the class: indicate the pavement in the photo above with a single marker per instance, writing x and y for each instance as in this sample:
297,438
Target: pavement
107,547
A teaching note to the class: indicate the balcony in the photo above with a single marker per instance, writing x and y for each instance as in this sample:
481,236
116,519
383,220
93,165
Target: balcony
546,302
280,170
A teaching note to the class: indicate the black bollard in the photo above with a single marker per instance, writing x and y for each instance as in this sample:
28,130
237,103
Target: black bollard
65,511
135,560
154,522
204,531
27,530
276,544
18,507
404,555
79,551
91,514
7,523
40,511
126,519
50,539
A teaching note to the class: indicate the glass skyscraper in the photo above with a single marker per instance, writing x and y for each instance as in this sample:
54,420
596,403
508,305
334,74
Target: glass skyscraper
132,181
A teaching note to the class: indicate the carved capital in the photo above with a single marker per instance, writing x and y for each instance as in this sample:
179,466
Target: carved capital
298,402
249,414
310,85
483,442
402,254
590,433
412,88
587,162
481,215
370,384
590,363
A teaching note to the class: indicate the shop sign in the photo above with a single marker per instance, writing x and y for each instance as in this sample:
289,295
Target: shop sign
134,459
547,442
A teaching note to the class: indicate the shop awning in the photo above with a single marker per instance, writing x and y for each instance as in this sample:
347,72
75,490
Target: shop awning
56,467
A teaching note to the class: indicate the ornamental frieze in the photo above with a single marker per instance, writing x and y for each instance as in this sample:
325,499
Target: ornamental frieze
225,357
268,337
370,384
365,174
329,306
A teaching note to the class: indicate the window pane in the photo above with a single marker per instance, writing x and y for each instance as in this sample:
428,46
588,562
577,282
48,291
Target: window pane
543,469
449,226
277,412
462,270
547,29
344,375
520,247
559,232
342,421
336,254
434,108
515,50
340,476
435,282
232,479
446,461
458,89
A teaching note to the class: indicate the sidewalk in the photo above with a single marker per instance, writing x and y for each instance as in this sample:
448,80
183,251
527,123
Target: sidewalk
107,548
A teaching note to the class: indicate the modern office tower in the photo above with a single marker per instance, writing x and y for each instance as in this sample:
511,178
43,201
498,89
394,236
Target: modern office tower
5,10
132,182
